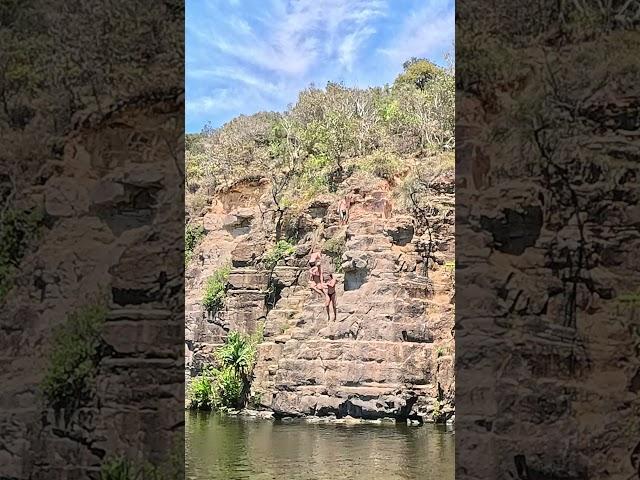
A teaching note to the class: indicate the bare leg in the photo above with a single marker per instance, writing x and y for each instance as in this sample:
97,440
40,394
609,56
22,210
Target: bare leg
315,288
335,312
327,301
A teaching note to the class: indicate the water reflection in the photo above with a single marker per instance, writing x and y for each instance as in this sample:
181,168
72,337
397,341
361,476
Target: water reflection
230,448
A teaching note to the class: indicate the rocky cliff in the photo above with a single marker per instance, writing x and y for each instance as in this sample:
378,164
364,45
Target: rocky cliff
109,216
390,351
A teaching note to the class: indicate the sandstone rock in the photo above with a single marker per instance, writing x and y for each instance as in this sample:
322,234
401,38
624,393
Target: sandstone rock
248,279
379,359
400,229
246,252
65,197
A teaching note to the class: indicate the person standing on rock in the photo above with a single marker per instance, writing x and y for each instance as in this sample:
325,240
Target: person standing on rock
315,275
330,300
314,259
343,209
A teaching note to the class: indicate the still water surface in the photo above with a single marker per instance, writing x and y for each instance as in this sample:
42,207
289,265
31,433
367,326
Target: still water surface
232,448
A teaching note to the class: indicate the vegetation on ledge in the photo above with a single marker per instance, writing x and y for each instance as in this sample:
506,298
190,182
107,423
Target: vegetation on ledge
327,136
215,290
226,385
76,350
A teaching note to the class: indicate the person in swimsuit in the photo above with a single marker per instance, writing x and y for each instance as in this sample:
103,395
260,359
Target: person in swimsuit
315,274
330,300
343,209
314,259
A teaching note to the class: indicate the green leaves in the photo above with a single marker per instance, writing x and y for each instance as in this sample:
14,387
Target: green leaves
238,353
202,393
304,150
192,236
226,385
418,72
215,290
76,350
19,228
280,251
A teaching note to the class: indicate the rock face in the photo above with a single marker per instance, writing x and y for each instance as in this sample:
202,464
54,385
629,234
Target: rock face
390,351
547,328
112,211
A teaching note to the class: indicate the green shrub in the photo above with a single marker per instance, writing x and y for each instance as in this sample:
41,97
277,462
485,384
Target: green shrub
77,348
216,388
19,228
228,385
192,236
122,468
202,395
280,250
229,388
385,165
335,248
215,290
119,468
238,352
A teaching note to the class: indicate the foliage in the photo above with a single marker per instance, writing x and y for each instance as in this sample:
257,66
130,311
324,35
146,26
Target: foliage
327,135
122,468
238,353
418,72
278,252
119,468
335,248
629,298
202,395
382,164
76,350
192,236
19,229
215,289
227,386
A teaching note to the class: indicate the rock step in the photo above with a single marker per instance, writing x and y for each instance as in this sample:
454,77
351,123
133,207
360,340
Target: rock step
364,350
283,311
138,314
371,389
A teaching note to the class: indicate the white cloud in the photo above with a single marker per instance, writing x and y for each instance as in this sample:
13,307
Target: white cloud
427,32
348,50
237,74
243,59
293,37
219,101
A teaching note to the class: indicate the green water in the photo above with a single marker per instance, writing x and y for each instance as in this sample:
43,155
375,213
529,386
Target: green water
232,448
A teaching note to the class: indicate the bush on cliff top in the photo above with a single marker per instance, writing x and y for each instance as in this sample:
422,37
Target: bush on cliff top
306,150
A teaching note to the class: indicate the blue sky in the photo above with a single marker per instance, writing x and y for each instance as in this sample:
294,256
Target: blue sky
246,56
